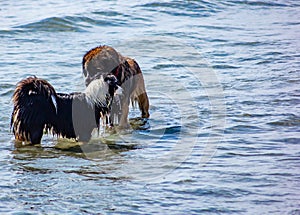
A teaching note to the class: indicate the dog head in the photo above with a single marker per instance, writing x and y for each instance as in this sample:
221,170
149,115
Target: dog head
102,91
99,61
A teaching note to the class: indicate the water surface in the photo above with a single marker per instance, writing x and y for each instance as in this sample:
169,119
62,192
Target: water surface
223,81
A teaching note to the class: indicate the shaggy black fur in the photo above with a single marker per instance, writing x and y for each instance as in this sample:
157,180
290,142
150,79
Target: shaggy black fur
37,107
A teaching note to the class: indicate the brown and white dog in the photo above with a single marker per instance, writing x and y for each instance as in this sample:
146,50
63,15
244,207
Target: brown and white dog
105,59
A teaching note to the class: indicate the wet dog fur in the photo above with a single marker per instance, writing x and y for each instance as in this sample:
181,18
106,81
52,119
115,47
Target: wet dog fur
105,59
38,108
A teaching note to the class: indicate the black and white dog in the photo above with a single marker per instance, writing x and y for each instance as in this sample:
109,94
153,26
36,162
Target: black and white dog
38,108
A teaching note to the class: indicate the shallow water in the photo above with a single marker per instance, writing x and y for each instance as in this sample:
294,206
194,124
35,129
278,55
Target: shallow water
223,80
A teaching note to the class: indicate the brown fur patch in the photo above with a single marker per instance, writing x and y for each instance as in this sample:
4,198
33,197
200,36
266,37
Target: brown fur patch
105,59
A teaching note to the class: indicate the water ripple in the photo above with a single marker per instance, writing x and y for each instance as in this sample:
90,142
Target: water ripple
251,46
190,9
260,3
53,24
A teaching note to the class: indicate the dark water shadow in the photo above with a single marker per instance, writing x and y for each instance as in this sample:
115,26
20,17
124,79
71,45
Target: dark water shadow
111,141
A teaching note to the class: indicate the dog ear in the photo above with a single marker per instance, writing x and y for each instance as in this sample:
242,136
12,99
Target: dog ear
126,64
111,80
114,88
107,79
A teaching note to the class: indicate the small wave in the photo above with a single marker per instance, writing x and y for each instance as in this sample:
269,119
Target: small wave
108,13
224,66
248,43
6,86
190,8
254,154
218,27
68,24
167,130
114,18
259,3
53,24
243,129
6,89
286,122
8,92
164,66
227,193
94,22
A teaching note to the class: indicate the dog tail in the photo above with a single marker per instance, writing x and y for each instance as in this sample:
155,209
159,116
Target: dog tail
35,104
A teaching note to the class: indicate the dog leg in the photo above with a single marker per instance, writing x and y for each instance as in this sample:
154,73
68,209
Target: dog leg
139,94
143,102
36,135
124,117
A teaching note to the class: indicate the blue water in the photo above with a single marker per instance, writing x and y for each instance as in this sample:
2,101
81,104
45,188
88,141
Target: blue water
223,80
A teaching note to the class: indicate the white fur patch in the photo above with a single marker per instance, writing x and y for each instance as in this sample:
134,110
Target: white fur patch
31,92
96,91
119,91
54,102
